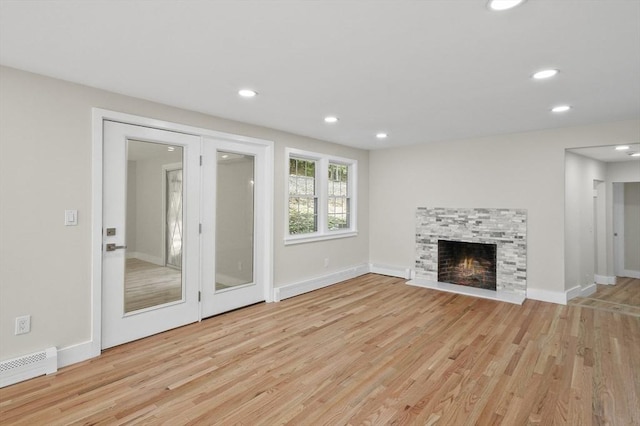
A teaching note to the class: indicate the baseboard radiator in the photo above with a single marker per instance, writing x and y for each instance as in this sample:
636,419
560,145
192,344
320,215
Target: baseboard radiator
28,366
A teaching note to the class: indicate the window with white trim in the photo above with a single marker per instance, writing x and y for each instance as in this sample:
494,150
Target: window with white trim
303,201
321,197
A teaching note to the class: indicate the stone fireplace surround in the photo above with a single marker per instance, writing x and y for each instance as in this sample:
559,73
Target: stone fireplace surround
507,228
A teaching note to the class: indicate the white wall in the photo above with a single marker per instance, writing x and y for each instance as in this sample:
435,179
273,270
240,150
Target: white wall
579,250
45,168
524,170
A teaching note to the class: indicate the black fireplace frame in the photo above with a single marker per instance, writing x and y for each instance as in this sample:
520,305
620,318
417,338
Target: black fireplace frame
481,259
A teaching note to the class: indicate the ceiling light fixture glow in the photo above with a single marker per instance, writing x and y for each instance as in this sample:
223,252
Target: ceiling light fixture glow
500,5
247,93
635,154
331,119
561,108
381,135
622,147
545,74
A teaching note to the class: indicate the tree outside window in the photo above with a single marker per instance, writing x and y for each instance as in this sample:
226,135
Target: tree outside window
321,197
338,199
303,202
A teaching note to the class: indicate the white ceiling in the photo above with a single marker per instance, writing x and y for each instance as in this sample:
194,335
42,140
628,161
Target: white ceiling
609,153
421,71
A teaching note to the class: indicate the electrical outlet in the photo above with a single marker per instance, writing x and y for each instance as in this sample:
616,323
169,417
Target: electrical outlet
326,262
23,324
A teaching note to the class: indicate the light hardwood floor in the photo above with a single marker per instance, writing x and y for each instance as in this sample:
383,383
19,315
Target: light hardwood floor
371,350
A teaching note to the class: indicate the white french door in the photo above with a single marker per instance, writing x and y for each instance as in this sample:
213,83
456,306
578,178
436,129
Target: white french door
141,295
234,231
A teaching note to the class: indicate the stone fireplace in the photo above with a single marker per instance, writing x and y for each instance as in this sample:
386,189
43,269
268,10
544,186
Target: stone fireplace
484,251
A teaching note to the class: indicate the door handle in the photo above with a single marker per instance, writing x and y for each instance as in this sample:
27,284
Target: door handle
113,247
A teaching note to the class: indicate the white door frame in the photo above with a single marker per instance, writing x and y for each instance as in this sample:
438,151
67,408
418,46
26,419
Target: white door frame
99,115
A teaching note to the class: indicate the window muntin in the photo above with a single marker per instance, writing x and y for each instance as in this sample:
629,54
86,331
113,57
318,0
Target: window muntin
303,201
321,197
338,197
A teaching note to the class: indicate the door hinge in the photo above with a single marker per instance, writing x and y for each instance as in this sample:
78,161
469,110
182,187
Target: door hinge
199,296
200,228
201,160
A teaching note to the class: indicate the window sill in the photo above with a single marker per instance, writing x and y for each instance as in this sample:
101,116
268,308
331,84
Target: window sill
301,239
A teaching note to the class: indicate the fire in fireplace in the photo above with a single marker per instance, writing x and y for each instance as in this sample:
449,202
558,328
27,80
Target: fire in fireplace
470,264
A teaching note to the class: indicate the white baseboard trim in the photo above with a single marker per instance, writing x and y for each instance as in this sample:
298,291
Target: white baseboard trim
392,271
559,297
588,290
573,293
146,257
603,279
631,274
76,353
296,289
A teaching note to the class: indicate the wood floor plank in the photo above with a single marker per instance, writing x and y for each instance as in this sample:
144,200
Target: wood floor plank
371,350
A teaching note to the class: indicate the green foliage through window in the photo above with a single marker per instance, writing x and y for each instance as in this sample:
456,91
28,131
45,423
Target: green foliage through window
320,199
303,211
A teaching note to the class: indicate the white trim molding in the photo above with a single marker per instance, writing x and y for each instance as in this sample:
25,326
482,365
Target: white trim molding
588,290
305,286
392,271
631,274
75,353
605,280
573,293
558,297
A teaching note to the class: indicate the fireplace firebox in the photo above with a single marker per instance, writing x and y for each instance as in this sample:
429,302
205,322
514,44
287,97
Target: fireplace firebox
469,264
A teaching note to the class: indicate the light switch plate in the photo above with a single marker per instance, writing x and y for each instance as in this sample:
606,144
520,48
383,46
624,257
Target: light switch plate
71,217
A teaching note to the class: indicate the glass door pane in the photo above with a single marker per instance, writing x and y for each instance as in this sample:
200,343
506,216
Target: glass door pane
153,269
234,220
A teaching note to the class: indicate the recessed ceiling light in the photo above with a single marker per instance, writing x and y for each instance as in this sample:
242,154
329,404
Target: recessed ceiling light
635,154
545,74
225,156
170,149
381,135
331,119
247,93
561,108
622,147
499,5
